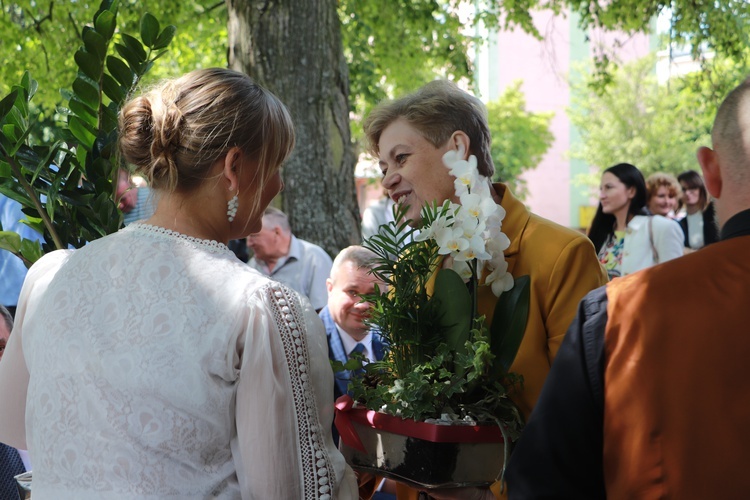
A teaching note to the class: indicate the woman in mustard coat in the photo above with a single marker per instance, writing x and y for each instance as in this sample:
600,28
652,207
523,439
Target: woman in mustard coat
409,136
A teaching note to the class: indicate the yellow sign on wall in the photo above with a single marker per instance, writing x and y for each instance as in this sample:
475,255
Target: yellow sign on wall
585,216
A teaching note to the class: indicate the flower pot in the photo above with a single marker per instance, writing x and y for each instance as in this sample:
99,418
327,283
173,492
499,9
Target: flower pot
423,455
23,482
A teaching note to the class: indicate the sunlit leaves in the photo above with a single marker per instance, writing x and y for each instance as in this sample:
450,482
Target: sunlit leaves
66,184
656,127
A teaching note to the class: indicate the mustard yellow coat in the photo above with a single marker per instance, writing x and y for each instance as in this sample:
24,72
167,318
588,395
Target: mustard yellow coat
563,267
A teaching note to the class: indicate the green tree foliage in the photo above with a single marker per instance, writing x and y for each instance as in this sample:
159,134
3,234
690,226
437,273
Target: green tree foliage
395,46
520,138
66,184
655,127
720,26
40,36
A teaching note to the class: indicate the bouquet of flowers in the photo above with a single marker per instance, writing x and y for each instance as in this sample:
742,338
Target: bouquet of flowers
445,364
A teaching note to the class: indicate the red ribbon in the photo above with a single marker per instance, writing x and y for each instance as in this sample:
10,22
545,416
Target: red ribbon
347,434
435,433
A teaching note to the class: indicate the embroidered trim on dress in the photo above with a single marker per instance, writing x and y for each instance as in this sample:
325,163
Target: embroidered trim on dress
317,472
208,245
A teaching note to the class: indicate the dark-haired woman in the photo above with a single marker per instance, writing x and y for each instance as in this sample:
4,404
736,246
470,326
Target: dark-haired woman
699,225
152,363
626,238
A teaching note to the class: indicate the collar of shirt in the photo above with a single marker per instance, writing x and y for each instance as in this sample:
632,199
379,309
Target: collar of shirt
737,225
349,343
295,253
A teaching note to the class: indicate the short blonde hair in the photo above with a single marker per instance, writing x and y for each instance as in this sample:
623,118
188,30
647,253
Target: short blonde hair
174,133
661,179
436,110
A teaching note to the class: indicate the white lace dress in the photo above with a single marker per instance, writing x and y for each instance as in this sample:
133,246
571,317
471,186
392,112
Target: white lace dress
152,365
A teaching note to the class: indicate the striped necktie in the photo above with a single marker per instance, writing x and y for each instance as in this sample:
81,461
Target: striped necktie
10,465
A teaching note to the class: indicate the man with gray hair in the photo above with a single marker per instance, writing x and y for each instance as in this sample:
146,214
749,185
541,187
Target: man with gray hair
648,394
299,264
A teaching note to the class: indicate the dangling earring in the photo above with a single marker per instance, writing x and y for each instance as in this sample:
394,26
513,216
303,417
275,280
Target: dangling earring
232,207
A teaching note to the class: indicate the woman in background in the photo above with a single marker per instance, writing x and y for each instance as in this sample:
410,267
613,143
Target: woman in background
152,362
626,238
663,194
699,225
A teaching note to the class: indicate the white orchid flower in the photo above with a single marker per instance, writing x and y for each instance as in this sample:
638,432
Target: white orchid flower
464,173
502,284
460,188
453,156
463,269
472,229
498,243
475,250
451,240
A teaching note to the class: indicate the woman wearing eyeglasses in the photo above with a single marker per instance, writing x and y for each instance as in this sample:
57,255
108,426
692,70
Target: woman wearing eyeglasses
699,225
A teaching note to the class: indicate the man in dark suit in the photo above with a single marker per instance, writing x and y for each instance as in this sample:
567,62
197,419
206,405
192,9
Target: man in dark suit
344,316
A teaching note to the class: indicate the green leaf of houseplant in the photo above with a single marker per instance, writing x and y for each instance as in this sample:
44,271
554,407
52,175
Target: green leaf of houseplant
10,241
112,89
81,132
86,92
120,71
135,46
95,44
7,104
509,323
83,111
105,24
454,308
31,250
165,37
89,64
132,59
149,29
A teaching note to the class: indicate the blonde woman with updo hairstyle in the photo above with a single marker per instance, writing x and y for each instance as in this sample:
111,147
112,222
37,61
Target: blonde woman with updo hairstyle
152,363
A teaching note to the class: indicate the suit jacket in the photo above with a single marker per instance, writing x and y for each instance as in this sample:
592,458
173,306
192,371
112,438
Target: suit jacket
336,352
710,231
10,466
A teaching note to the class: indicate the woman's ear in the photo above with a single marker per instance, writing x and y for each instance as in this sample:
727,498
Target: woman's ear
460,142
230,170
631,192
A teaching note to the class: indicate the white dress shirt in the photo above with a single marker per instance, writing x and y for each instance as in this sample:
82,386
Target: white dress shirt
349,343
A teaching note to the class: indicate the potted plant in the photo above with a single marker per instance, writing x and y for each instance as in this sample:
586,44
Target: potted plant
437,412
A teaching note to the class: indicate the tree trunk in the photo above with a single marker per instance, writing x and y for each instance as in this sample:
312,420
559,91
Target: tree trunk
293,48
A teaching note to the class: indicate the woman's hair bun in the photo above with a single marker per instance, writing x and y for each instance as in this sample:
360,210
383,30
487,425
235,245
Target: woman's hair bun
150,136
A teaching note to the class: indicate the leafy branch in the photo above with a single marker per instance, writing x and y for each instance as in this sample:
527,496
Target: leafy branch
67,186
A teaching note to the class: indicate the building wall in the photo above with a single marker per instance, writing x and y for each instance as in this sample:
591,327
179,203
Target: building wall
545,66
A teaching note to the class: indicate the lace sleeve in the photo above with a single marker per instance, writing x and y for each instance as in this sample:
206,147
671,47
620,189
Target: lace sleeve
284,448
